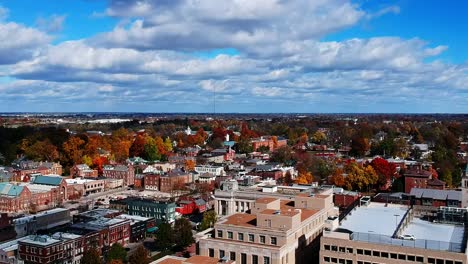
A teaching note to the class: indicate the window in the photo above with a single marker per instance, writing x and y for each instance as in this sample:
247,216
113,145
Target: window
440,261
326,259
262,239
243,258
327,247
348,261
376,253
334,248
393,255
229,234
266,260
220,233
402,256
384,254
254,259
273,240
412,258
419,259
232,255
360,252
349,250
211,252
367,252
221,253
341,261
341,249
240,236
431,260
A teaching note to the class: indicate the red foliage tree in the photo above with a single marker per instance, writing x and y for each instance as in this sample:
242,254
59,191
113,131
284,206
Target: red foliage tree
385,170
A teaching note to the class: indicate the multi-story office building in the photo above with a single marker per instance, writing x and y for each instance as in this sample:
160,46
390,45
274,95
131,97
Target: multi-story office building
161,210
231,198
386,233
275,231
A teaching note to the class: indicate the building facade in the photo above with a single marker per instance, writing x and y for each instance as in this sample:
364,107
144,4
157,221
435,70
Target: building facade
275,232
124,172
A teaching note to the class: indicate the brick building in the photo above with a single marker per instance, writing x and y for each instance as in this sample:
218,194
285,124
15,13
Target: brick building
83,171
59,248
268,141
125,172
418,178
14,198
161,210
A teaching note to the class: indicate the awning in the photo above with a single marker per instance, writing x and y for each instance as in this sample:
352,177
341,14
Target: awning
152,229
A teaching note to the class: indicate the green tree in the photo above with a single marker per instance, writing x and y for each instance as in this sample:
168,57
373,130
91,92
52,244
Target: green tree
151,150
164,236
209,219
117,251
141,256
183,232
91,256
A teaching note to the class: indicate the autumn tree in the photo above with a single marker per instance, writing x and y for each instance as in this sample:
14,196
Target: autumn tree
337,178
168,144
87,160
91,256
42,151
73,149
138,147
359,146
141,256
183,232
304,177
189,165
319,137
115,261
288,180
385,170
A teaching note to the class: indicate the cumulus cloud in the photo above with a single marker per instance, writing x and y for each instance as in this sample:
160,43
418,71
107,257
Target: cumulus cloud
18,42
152,56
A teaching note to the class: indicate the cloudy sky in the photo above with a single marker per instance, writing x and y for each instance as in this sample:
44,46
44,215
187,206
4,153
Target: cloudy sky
234,56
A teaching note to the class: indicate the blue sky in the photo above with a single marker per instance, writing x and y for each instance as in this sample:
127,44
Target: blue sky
253,56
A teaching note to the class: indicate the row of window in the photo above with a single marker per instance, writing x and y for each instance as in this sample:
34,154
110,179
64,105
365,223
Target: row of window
243,258
251,237
383,254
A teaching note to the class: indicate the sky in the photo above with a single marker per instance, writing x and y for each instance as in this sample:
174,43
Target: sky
234,56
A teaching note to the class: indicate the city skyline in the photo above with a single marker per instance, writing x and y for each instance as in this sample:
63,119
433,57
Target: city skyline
238,56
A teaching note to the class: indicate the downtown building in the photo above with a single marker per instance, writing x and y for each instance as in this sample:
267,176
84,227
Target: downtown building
124,172
390,233
276,231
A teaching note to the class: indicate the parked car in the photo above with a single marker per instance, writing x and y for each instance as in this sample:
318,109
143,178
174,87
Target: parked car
407,237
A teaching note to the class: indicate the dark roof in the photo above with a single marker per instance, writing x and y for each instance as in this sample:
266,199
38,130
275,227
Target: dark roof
436,194
435,182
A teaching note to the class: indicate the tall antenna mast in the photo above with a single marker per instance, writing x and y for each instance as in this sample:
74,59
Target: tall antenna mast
214,99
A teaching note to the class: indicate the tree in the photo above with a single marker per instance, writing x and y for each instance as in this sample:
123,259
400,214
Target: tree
42,151
151,150
288,180
385,171
183,232
282,154
209,219
359,146
304,177
356,178
115,261
189,165
91,256
138,147
117,252
140,256
319,137
164,236
87,160
73,149
338,178
168,144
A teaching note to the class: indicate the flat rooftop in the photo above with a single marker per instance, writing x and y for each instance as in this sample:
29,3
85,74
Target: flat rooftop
374,218
421,229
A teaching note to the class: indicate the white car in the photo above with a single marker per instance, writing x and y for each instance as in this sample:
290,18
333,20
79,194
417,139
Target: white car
407,237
